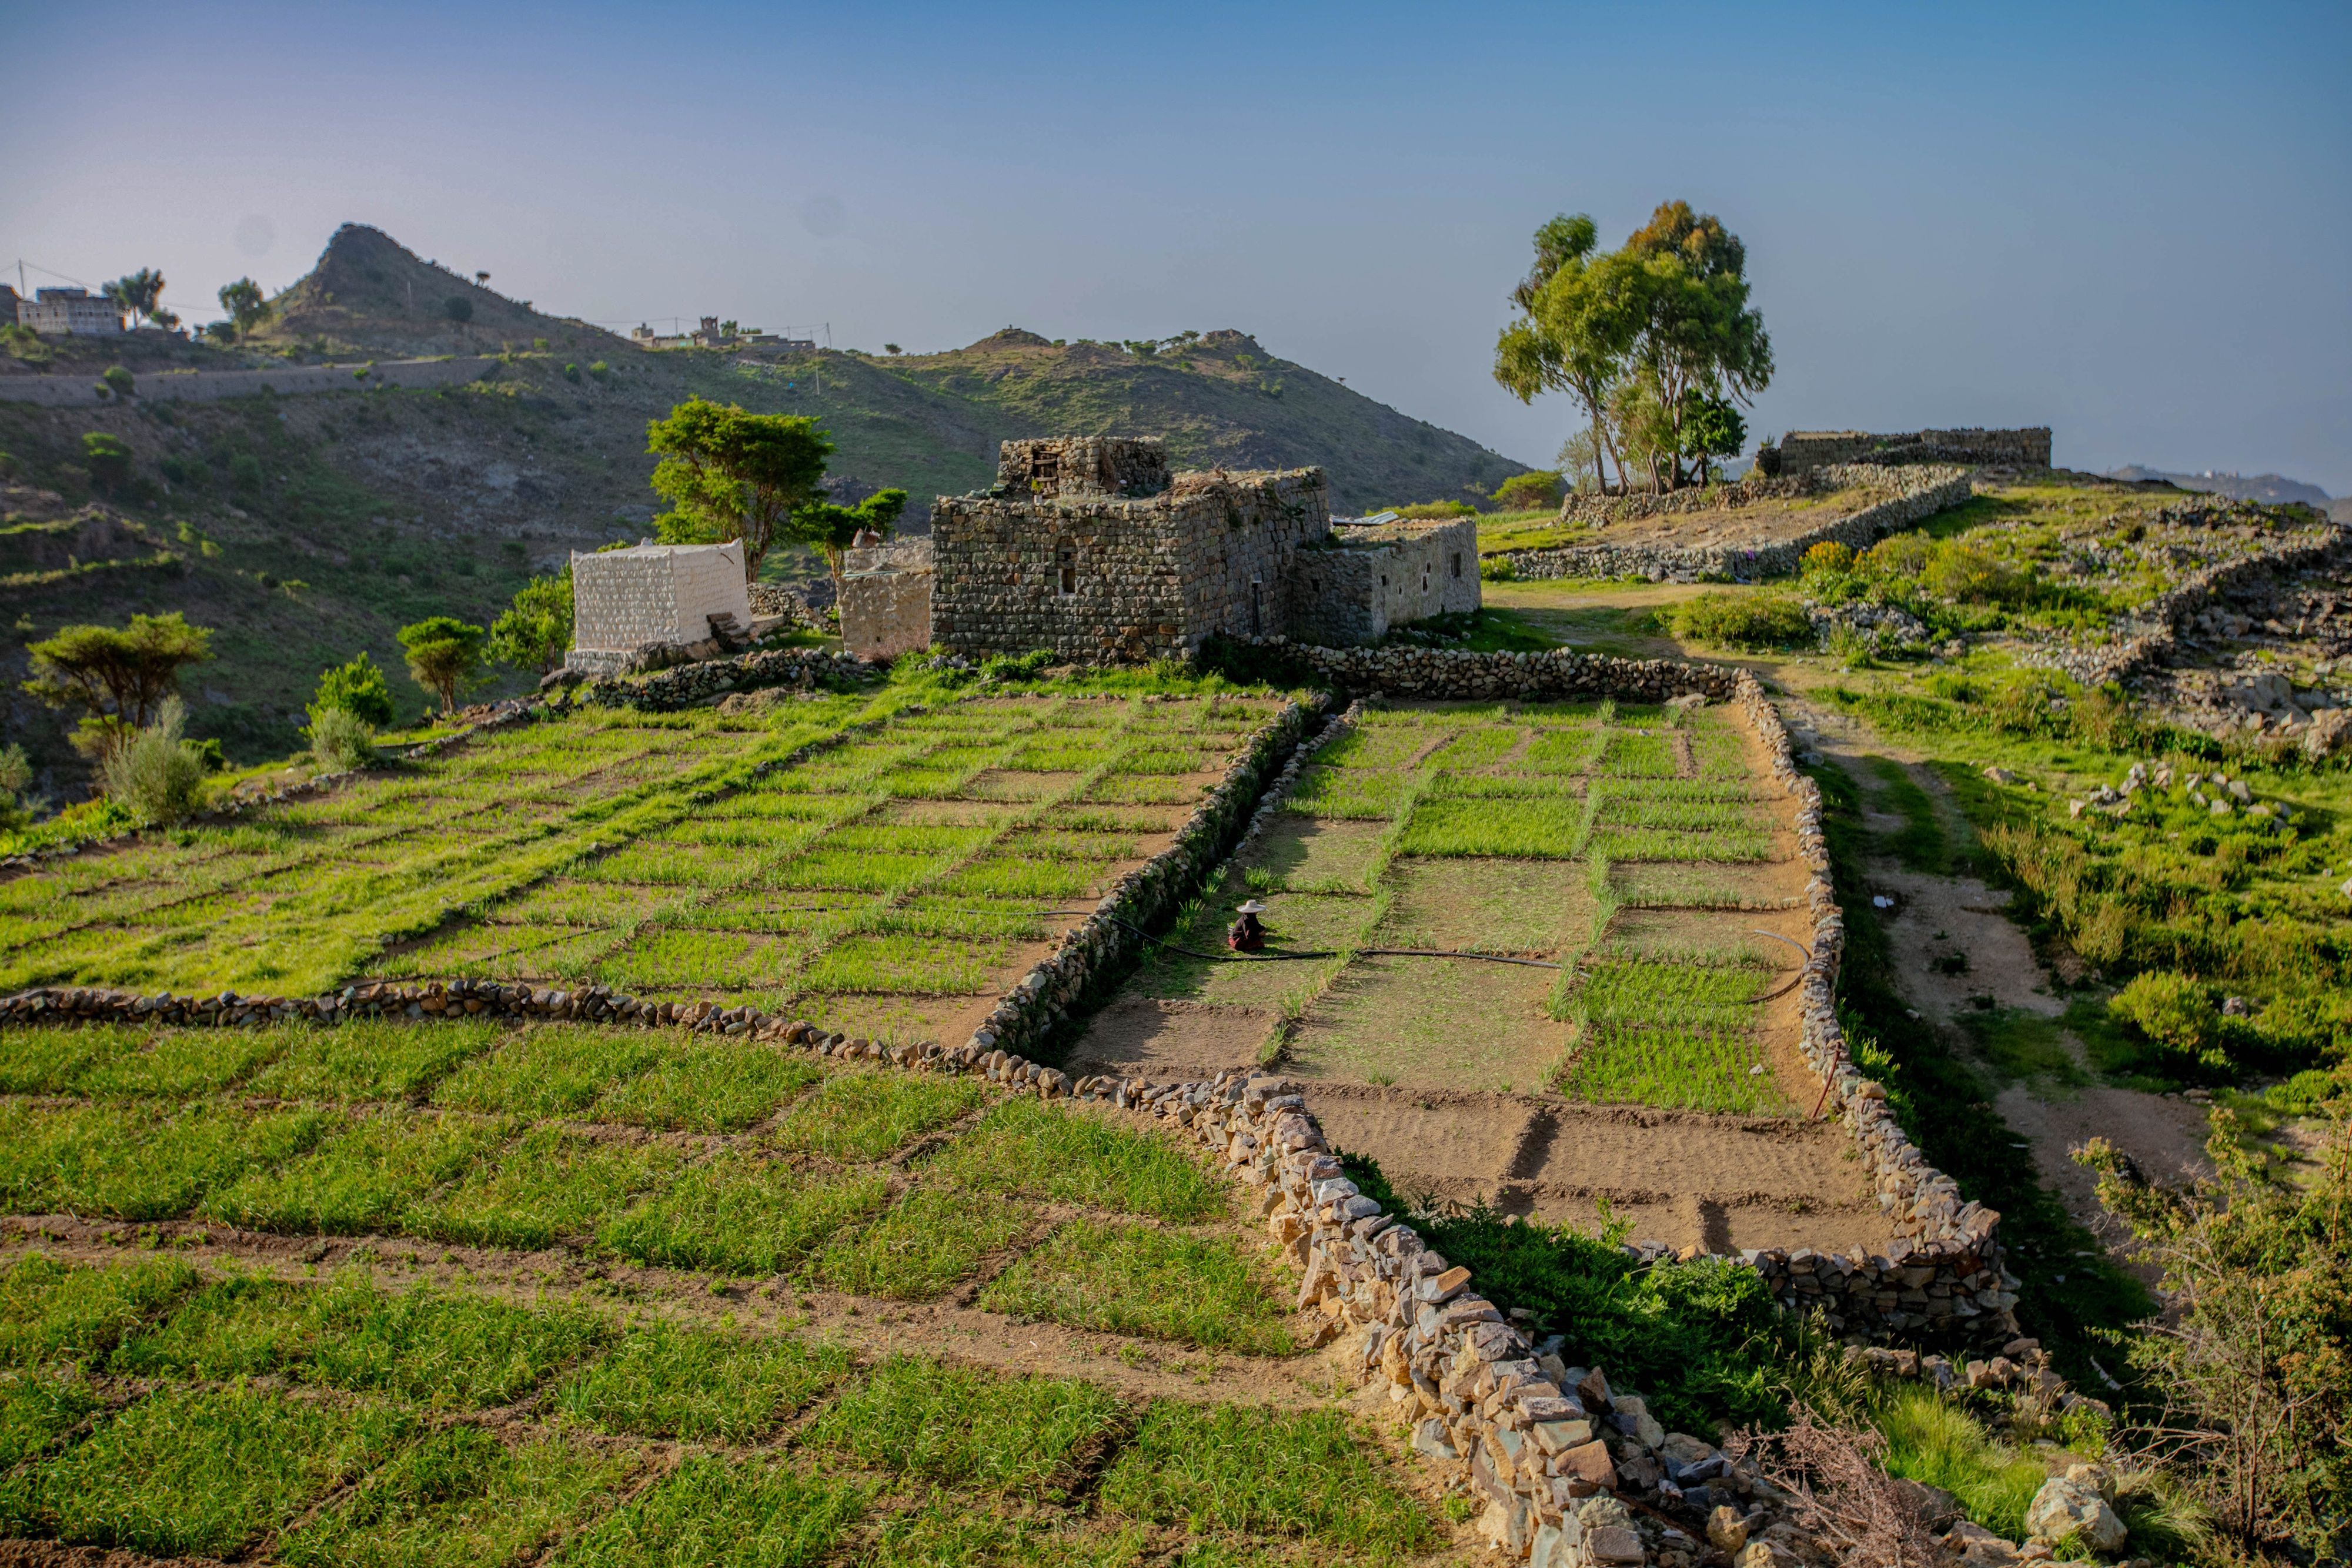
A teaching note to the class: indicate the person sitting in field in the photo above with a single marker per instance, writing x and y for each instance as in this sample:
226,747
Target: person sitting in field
1247,936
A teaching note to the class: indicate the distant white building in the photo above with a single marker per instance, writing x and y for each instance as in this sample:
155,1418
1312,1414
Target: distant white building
69,312
651,603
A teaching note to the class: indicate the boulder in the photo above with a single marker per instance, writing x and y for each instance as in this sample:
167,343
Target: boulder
2069,1508
1726,1530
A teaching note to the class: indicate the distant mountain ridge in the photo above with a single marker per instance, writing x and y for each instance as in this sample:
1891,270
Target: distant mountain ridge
2271,489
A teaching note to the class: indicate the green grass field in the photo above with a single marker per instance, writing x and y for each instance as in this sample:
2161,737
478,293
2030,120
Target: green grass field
1514,828
180,1390
673,857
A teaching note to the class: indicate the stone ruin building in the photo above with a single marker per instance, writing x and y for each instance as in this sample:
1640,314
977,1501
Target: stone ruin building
1090,548
885,598
655,604
1802,449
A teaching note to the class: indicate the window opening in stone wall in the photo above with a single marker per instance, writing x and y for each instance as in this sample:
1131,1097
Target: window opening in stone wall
1424,579
1069,563
1045,471
1458,563
1384,580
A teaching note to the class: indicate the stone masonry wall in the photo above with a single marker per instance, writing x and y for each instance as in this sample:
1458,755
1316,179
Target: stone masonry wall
1076,465
1354,592
2029,448
885,613
1921,493
1114,579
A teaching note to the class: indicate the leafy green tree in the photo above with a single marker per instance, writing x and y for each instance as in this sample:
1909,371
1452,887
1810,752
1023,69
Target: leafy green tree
444,656
536,629
1698,332
1527,492
119,678
357,688
16,776
246,306
829,530
107,458
729,475
1580,315
892,349
1712,428
140,295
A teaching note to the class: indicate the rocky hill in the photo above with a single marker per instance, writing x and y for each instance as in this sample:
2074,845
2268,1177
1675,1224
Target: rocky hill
304,527
2271,489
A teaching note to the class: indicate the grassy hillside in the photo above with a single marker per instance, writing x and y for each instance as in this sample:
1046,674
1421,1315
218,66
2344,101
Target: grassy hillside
304,528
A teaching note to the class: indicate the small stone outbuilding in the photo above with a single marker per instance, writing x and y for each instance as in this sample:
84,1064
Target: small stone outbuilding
885,598
651,604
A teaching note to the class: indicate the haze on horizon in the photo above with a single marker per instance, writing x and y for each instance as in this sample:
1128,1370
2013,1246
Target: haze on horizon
2127,224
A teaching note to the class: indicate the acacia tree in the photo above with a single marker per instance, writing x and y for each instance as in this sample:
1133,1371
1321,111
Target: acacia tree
444,656
119,678
140,295
829,530
729,475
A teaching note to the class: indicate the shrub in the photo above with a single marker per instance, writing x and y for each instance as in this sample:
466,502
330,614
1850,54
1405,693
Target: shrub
155,773
356,688
245,471
1742,621
1537,488
1437,509
2176,1012
1966,574
600,370
1898,555
341,740
1829,558
571,374
1497,568
9,468
107,458
15,773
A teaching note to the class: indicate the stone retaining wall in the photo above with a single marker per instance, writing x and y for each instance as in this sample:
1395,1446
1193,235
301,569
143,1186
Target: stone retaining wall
2151,633
1922,492
2027,449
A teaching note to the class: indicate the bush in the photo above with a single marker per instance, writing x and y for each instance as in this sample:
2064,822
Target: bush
245,471
1966,574
2177,1013
106,458
1758,620
1497,568
1536,489
1898,555
1438,510
600,370
9,468
571,374
119,380
1829,558
357,688
341,740
155,773
16,774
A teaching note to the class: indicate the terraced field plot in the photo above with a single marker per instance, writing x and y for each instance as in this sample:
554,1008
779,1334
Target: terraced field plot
1624,871
451,1292
891,885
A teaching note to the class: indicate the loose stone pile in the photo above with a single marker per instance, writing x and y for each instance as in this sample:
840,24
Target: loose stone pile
1919,493
684,685
1884,628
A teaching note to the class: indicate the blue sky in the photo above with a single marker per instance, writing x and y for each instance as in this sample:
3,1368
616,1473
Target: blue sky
2128,223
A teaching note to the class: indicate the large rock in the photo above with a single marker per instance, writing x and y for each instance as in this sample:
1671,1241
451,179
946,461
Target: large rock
2330,732
2069,1507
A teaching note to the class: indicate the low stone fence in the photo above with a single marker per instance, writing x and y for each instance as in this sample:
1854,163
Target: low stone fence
1922,492
2151,633
1554,674
684,685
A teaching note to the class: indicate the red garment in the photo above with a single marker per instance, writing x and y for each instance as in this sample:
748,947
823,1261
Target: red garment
1246,935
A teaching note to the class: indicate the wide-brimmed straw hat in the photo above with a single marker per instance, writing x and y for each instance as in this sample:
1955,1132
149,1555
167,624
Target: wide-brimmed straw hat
1252,907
